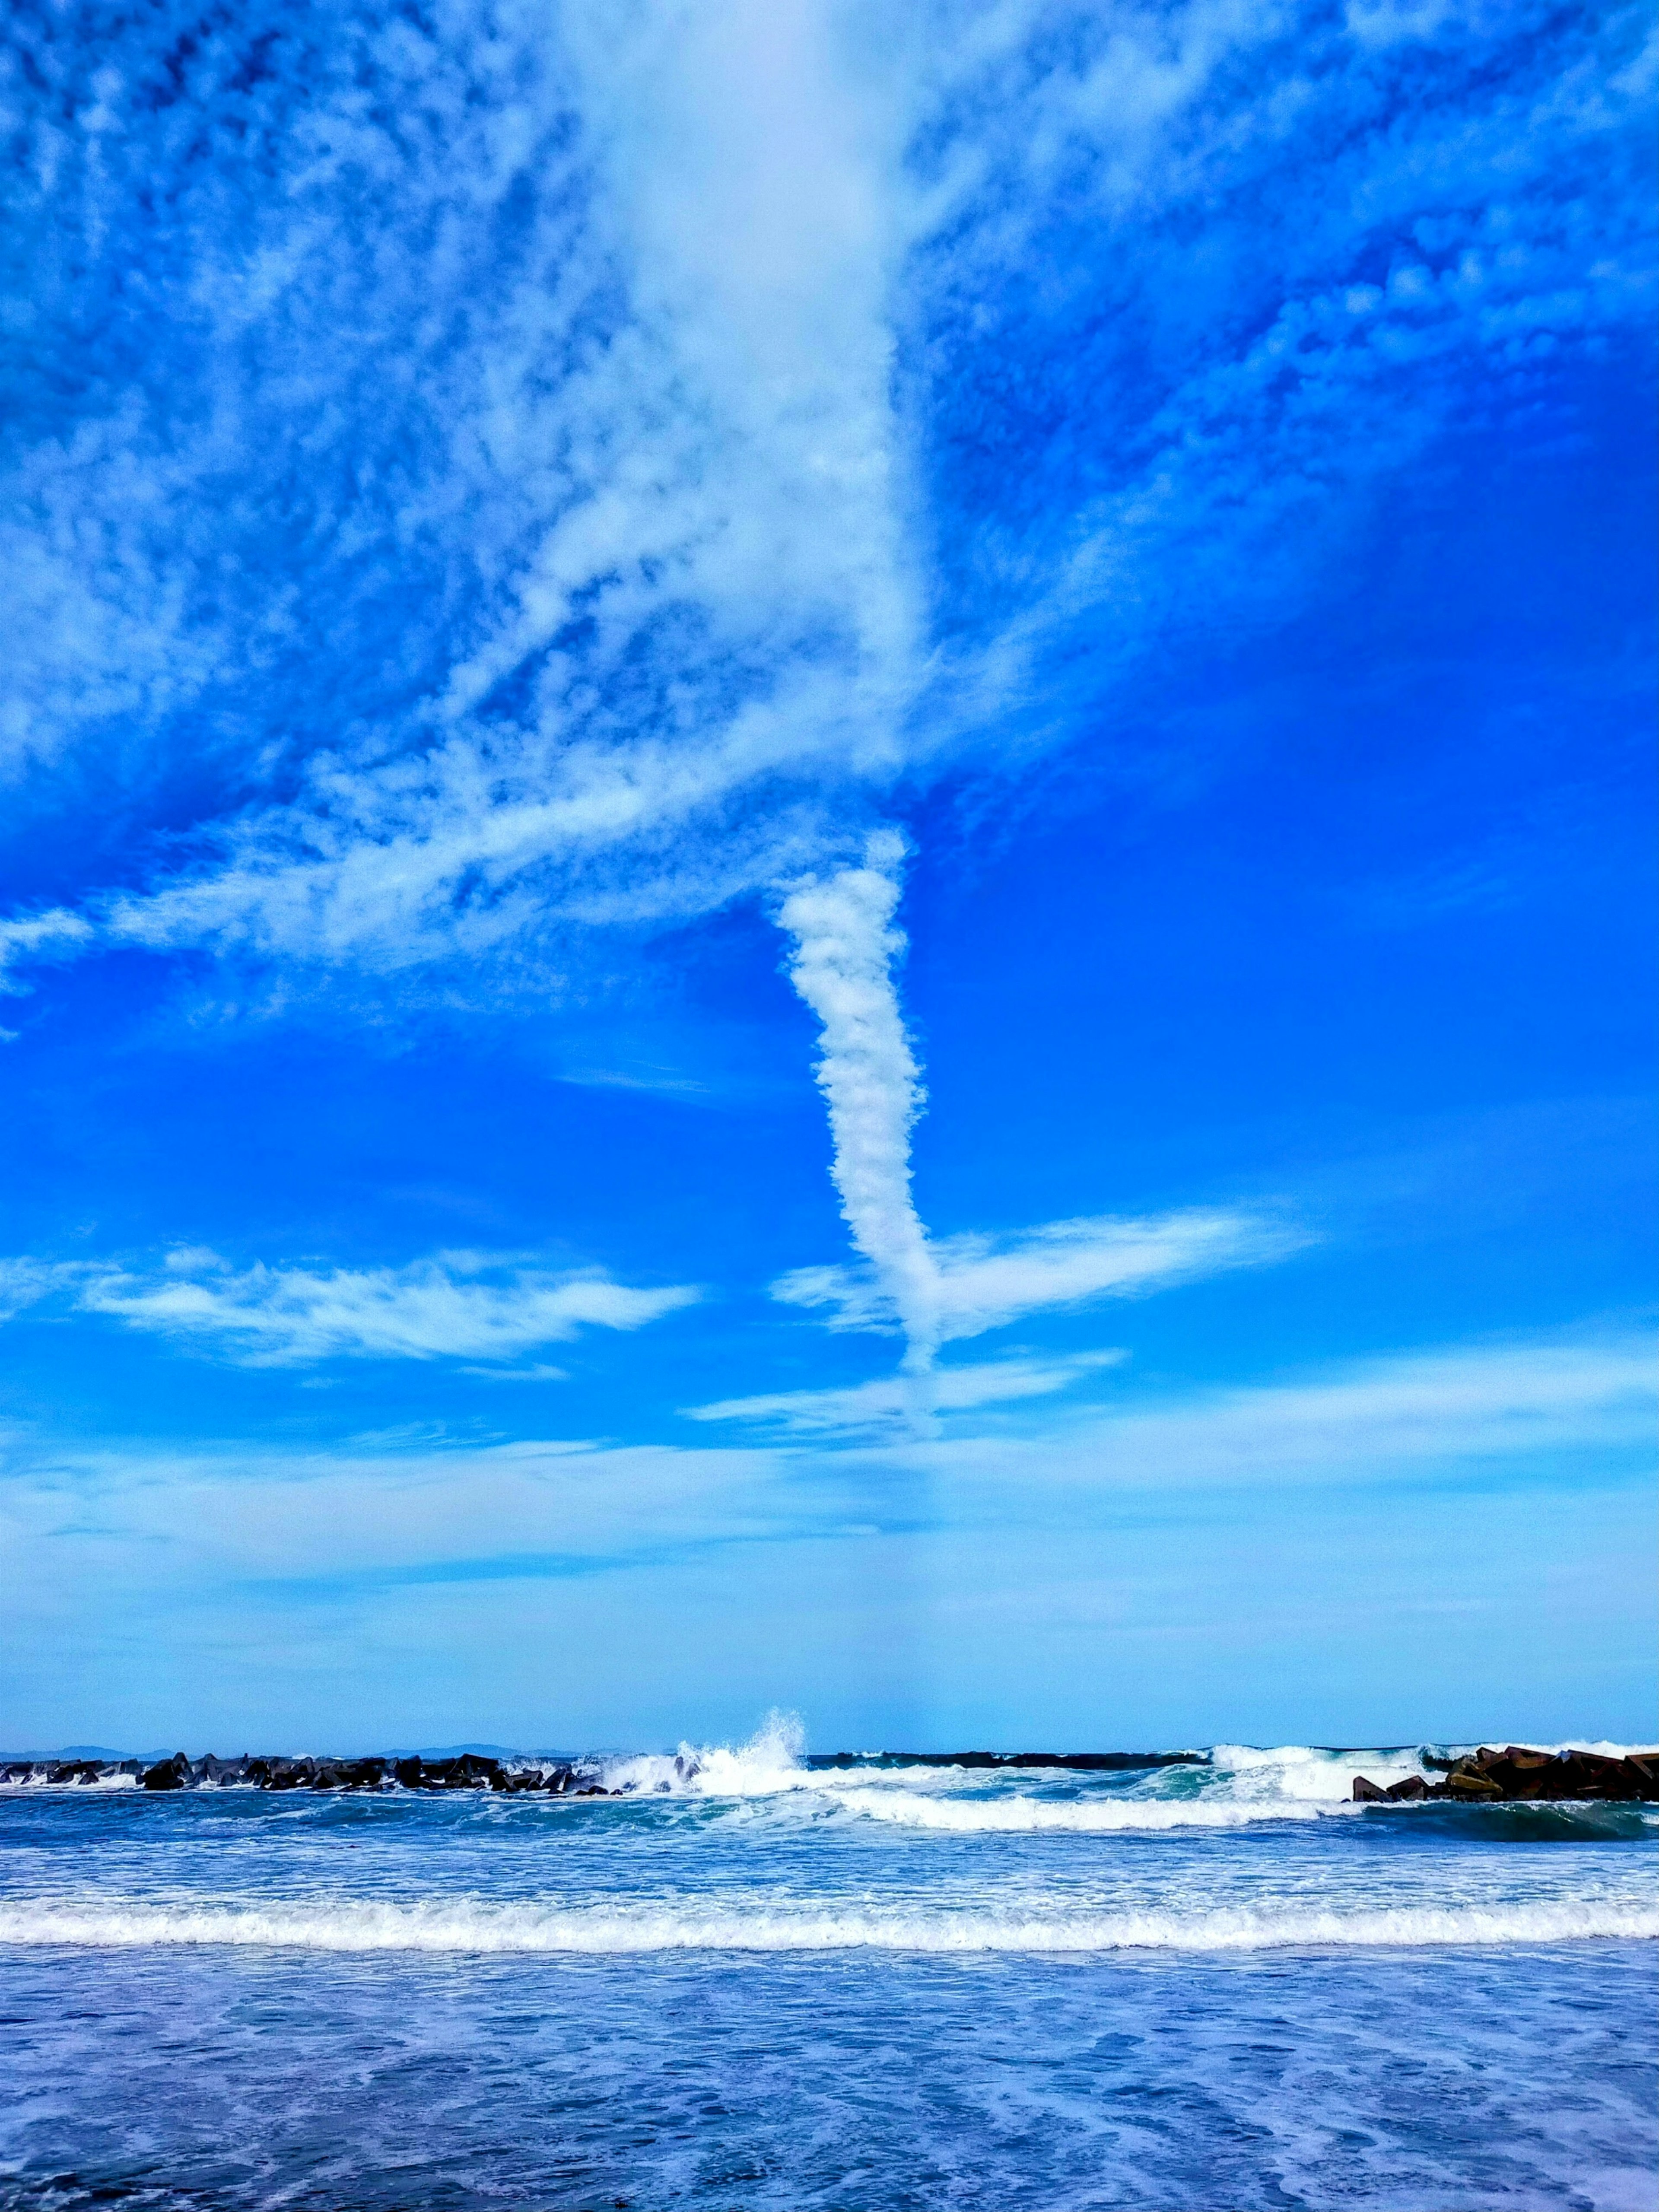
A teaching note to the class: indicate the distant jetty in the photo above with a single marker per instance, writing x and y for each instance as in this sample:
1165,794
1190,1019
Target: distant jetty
469,1770
472,1770
1516,1775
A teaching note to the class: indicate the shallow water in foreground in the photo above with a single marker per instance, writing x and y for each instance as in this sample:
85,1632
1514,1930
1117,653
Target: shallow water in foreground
874,1987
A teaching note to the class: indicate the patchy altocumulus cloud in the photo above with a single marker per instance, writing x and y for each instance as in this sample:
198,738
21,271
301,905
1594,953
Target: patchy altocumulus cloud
520,478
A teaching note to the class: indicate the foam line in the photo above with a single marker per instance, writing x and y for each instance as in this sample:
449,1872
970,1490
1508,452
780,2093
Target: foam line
534,1929
1108,1816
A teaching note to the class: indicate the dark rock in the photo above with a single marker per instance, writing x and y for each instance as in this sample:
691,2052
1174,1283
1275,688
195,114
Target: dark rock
1408,1791
409,1773
288,1774
1467,1780
217,1773
1519,1775
167,1773
470,1770
1366,1792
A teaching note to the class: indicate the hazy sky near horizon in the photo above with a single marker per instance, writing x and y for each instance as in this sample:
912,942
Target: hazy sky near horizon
827,872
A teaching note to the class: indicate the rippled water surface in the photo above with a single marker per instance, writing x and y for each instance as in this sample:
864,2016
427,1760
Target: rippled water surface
878,1986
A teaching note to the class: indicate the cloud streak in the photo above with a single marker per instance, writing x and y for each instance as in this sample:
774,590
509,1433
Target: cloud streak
936,1291
558,1507
888,1405
455,1305
845,948
981,1282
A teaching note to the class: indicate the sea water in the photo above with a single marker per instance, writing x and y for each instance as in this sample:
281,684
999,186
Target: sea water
750,1981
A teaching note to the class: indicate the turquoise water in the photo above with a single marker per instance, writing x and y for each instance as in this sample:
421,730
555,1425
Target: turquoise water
780,1986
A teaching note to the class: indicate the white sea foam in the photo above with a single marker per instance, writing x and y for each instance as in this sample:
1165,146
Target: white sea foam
523,1928
1300,1779
1293,1779
96,1782
1023,1815
771,1764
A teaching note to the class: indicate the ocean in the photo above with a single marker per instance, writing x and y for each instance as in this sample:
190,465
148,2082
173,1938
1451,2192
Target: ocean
750,1981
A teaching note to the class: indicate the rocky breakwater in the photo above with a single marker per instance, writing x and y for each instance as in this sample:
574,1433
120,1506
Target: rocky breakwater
267,1771
1518,1776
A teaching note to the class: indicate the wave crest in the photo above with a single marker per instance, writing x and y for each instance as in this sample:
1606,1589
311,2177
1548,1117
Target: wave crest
604,1931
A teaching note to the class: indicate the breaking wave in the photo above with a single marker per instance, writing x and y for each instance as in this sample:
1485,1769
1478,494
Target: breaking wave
773,1759
531,1930
1239,1784
1024,1815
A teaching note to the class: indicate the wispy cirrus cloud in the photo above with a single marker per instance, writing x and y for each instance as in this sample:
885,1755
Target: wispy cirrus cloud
1385,1418
982,1282
403,1506
455,1305
719,422
893,1404
372,1577
666,493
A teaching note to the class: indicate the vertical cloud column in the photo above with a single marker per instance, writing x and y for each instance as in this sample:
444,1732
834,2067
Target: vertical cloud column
846,946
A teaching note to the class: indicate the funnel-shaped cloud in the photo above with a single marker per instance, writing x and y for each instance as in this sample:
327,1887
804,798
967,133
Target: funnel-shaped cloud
846,946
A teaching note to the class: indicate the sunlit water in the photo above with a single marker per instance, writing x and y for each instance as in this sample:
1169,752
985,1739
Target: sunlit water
1218,1986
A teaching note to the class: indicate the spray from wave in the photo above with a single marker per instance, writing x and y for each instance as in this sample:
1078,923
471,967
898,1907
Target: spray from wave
772,1760
1237,1785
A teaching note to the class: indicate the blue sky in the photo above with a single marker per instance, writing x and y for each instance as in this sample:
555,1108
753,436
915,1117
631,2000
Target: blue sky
827,873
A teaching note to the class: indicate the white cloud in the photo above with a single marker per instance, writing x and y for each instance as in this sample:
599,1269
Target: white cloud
981,1282
935,1290
54,934
472,1306
624,586
1544,1411
898,1403
1399,1415
1066,1581
845,945
25,1282
669,428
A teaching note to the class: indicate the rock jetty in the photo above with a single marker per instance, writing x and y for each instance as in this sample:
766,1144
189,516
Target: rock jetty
1516,1775
469,1770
